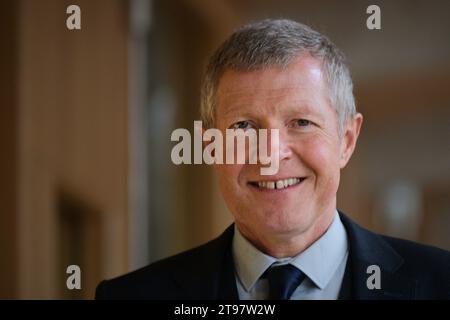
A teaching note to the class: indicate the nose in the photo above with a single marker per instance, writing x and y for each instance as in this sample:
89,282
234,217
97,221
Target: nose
285,151
278,144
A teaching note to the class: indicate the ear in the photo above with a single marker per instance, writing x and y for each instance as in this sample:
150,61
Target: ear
349,138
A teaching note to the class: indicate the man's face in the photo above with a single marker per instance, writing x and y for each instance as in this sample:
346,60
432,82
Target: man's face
295,101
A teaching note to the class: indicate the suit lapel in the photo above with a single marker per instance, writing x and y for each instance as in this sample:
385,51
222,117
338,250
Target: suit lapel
367,249
211,276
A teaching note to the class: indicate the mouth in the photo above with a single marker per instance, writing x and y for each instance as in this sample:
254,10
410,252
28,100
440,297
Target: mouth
277,184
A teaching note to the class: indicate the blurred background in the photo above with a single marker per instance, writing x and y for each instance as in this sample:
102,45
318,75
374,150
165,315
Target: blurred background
86,117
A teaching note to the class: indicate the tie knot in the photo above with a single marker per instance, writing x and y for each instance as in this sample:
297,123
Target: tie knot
283,280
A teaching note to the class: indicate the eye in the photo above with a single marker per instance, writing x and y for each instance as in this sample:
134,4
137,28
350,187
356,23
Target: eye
303,123
241,125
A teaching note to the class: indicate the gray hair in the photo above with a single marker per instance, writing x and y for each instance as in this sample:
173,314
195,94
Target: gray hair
270,43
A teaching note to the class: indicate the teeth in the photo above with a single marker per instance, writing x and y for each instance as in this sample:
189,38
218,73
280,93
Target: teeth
279,184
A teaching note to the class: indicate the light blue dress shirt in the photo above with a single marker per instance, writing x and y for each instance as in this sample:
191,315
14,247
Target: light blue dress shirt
323,263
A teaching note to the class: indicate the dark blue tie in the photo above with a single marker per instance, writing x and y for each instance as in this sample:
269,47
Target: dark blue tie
283,280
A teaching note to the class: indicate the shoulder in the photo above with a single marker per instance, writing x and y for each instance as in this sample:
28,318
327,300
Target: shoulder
159,279
417,250
427,262
405,264
378,245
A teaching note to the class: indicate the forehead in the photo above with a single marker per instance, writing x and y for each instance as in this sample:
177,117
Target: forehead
301,81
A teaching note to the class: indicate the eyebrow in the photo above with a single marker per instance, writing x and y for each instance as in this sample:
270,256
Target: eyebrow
233,110
291,109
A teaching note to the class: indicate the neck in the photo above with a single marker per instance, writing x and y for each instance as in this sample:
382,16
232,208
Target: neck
291,244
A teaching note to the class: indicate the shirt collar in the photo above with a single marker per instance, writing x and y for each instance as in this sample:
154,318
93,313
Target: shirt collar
319,261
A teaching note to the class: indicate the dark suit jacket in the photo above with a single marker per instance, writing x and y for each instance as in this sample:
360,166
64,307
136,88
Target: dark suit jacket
408,271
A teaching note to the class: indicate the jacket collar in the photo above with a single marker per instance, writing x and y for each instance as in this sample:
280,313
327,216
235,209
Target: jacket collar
213,276
366,249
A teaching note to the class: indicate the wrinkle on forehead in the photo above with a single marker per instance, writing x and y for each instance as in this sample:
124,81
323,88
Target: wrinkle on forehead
270,103
300,84
271,83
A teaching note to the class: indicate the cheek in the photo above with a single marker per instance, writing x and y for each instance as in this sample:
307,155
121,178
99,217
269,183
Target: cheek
320,155
322,158
228,178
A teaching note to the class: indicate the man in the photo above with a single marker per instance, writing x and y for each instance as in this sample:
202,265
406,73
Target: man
288,240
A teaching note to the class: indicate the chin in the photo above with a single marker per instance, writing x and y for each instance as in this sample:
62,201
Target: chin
286,222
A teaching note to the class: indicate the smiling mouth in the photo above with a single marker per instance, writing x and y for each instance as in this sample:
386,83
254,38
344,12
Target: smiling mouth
277,184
